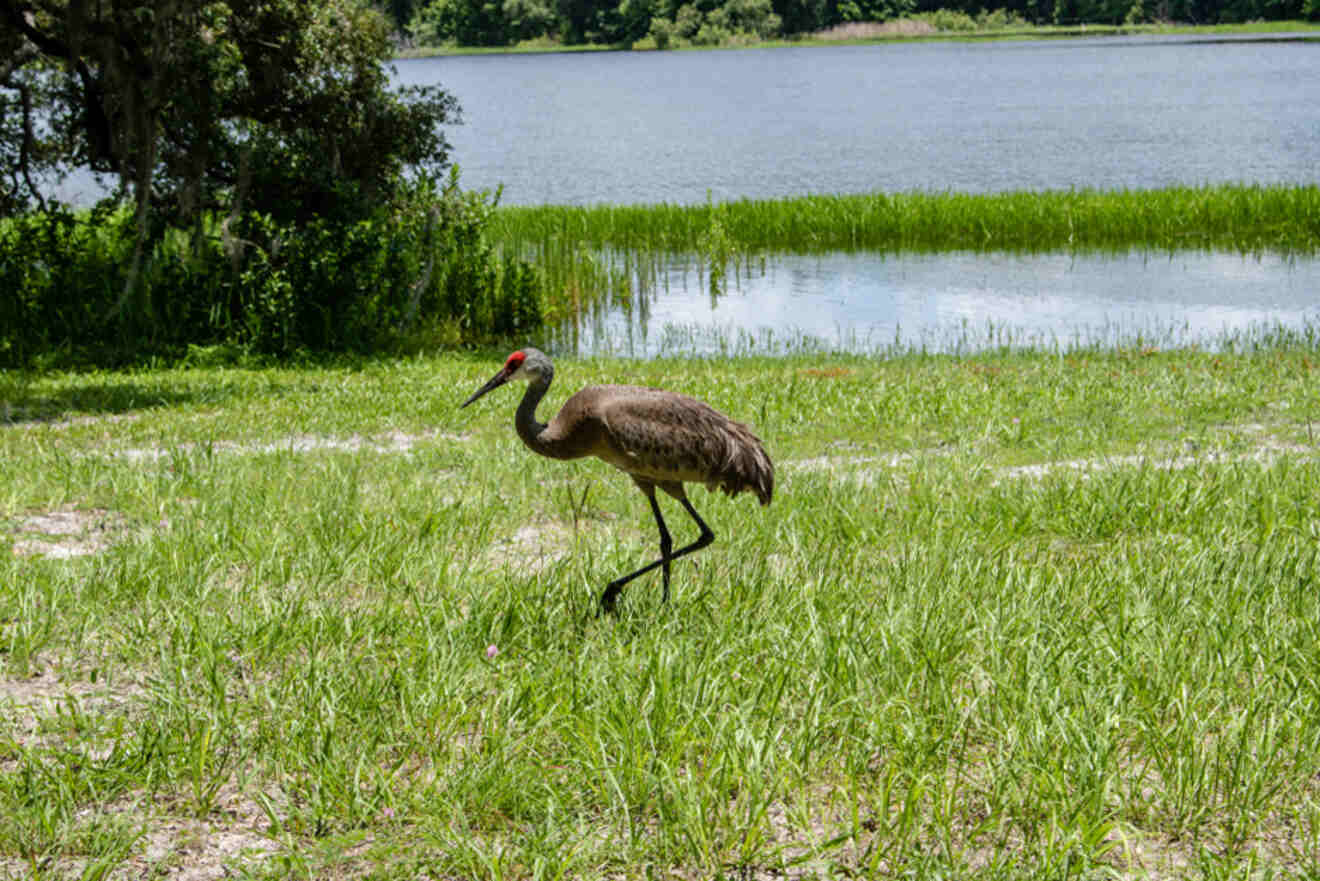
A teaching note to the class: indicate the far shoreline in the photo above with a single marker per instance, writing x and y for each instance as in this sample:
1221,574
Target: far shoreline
882,33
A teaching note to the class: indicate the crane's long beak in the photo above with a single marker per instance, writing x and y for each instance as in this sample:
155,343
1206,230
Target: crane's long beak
496,381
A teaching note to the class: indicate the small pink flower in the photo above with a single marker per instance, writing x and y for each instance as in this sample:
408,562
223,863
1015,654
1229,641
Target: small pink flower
388,813
492,650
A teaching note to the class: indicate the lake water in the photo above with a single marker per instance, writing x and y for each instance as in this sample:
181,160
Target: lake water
1107,113
1116,112
954,302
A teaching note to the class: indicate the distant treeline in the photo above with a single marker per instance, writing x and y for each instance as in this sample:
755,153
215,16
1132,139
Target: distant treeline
669,23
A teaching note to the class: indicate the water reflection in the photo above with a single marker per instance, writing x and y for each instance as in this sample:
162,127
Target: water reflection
867,301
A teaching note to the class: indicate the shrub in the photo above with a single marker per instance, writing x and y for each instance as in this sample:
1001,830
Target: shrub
753,17
949,20
265,284
687,21
662,32
999,20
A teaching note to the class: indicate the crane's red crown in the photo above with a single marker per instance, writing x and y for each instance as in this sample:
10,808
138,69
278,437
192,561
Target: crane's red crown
515,361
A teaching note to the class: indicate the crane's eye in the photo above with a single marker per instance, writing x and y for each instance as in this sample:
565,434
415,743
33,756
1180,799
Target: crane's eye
515,361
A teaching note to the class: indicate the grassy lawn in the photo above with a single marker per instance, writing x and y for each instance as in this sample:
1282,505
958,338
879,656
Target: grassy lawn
1014,615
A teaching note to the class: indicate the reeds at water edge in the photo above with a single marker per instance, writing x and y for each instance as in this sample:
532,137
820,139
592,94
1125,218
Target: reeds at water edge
1237,217
608,256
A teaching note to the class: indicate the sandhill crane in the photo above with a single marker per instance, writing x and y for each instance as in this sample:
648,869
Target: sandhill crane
660,439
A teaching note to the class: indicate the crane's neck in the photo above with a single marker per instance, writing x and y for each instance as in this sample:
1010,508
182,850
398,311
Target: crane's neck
532,432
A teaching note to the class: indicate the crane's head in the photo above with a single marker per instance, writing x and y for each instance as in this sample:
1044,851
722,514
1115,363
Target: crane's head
524,364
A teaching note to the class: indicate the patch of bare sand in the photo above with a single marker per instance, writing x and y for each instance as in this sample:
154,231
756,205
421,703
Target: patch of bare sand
228,842
68,532
25,699
231,836
857,466
826,831
1265,447
533,547
389,442
18,419
1264,453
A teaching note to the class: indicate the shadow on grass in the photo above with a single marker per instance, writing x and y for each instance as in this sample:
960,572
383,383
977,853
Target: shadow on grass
206,376
26,399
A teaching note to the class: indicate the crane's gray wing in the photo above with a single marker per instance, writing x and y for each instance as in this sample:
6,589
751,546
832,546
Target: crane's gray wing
665,437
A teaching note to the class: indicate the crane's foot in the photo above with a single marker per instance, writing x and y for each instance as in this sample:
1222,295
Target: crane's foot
610,597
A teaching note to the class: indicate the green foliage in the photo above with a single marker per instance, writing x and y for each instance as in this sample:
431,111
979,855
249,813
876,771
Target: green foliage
277,106
462,22
737,21
670,24
265,284
527,19
687,21
662,32
950,20
714,30
875,10
630,22
284,194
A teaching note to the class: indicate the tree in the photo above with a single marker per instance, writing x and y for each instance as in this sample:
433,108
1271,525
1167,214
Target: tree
528,19
310,191
576,19
753,17
626,23
464,22
805,16
26,149
193,106
399,12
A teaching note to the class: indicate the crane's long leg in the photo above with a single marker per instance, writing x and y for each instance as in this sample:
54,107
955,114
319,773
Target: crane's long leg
612,590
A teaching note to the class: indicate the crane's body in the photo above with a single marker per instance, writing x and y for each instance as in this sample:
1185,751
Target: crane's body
661,439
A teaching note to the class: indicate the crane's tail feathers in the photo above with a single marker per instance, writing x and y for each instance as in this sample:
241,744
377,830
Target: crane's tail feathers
746,466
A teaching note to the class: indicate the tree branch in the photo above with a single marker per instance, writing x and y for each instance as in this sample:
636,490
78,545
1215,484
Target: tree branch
19,15
25,54
25,149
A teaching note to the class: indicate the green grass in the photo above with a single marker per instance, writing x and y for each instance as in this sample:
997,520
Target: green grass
1023,614
1246,218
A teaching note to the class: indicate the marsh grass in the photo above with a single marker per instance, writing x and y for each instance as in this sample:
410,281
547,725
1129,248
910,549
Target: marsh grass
1244,218
599,259
922,659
